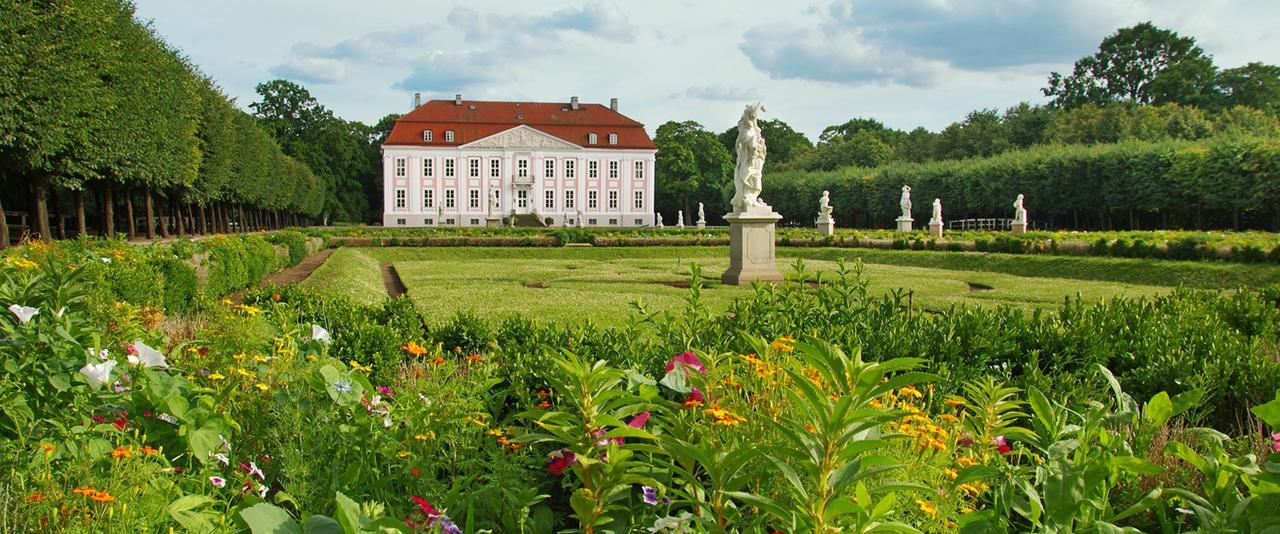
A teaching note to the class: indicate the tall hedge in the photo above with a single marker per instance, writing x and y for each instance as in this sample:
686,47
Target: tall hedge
1221,182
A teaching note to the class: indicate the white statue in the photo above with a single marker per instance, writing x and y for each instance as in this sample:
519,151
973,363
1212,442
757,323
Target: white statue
659,220
493,203
824,206
1019,212
680,219
702,217
905,203
580,222
747,176
937,212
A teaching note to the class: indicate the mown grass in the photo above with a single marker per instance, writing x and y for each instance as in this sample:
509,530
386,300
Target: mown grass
352,273
601,284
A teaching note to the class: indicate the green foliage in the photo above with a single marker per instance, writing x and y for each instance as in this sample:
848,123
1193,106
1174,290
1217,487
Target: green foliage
692,166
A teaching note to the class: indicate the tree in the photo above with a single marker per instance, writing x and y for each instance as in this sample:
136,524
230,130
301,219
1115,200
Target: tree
1126,66
1256,85
692,166
982,133
784,143
287,110
851,127
1025,124
862,149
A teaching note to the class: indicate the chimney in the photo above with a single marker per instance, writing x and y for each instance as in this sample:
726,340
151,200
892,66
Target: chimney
573,103
417,100
457,99
613,104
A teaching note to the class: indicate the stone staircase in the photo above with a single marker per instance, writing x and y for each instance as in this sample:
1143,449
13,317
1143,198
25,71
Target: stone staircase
529,220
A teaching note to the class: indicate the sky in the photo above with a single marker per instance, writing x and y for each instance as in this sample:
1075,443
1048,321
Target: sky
906,63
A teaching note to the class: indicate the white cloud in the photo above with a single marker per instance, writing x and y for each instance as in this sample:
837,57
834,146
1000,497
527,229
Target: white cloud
788,52
313,70
721,92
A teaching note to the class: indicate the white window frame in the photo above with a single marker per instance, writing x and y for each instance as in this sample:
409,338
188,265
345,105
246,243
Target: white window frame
429,167
495,168
428,198
549,200
593,169
613,138
639,166
402,167
593,199
522,168
401,198
613,200
473,167
549,168
450,199
613,170
473,199
570,168
448,136
450,167
592,138
568,199
426,136
638,201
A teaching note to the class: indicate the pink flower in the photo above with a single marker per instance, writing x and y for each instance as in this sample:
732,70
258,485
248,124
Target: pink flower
639,420
688,358
1275,442
1002,447
560,460
425,507
218,482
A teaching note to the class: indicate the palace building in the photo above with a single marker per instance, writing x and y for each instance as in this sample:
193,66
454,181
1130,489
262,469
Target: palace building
554,164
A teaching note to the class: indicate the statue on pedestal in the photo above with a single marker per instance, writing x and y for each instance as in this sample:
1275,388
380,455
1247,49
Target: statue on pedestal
1019,212
659,220
748,179
824,206
680,219
937,212
905,202
702,217
494,207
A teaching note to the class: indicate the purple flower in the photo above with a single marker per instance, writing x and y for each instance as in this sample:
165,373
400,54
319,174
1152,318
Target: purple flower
218,481
650,495
384,390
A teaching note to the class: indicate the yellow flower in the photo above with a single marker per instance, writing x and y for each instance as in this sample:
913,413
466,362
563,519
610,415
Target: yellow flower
949,418
403,454
243,372
927,507
495,432
875,403
226,302
950,473
262,386
954,401
238,357
216,376
311,357
249,310
910,391
259,358
724,417
356,365
964,462
783,344
421,437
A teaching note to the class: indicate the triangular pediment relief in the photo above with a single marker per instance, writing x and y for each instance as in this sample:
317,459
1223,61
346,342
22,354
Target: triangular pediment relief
522,137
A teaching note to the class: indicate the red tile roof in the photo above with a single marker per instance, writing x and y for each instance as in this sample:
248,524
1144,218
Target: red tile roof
488,118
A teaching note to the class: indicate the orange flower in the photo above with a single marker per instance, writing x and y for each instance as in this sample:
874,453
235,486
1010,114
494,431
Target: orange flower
121,452
475,358
783,344
954,401
927,507
503,441
724,417
542,393
415,471
83,490
149,450
102,496
46,447
543,405
36,497
413,348
436,361
275,296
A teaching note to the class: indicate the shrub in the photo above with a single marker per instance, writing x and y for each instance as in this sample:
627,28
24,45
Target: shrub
466,332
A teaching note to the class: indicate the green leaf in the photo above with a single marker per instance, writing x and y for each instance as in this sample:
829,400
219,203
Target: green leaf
1157,411
1135,465
263,518
675,380
321,524
1269,412
349,514
184,512
60,382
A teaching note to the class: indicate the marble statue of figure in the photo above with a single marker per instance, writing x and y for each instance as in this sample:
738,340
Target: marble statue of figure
493,203
702,217
937,212
1019,212
824,205
680,218
580,222
748,175
905,203
659,220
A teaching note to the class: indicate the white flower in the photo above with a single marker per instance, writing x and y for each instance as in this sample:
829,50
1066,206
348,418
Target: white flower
24,313
262,491
61,311
218,481
317,333
1184,511
222,458
255,471
167,418
672,524
225,444
386,421
147,356
108,260
98,374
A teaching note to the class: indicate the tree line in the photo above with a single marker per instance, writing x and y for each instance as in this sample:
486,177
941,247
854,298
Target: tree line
1165,102
100,117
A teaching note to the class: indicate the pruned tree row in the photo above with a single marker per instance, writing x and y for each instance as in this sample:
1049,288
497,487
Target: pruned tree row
104,123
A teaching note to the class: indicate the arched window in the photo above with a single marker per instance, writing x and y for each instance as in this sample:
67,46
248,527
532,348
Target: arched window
591,138
613,138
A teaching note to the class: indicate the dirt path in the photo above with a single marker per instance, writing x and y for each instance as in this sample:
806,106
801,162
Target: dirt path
391,280
290,275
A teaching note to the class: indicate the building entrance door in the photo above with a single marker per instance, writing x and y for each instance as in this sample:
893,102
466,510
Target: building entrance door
522,200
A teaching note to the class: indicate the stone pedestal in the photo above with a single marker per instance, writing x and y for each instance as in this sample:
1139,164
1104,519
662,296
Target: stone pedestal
826,226
1018,228
751,253
904,224
493,222
935,230
702,225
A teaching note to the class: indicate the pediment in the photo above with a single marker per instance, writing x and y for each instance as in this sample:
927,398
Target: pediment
522,137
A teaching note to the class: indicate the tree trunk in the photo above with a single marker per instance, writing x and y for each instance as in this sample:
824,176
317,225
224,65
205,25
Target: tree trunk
81,228
204,222
128,212
40,208
241,219
191,218
164,211
1235,218
57,215
4,227
178,225
151,216
221,217
108,212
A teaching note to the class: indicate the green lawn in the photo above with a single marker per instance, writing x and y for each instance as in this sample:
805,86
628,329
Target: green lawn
601,283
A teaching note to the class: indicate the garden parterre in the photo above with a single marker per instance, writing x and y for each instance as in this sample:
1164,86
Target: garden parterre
803,407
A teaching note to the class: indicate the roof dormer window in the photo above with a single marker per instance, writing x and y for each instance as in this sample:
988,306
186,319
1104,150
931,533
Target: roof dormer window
591,138
448,136
613,138
426,135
